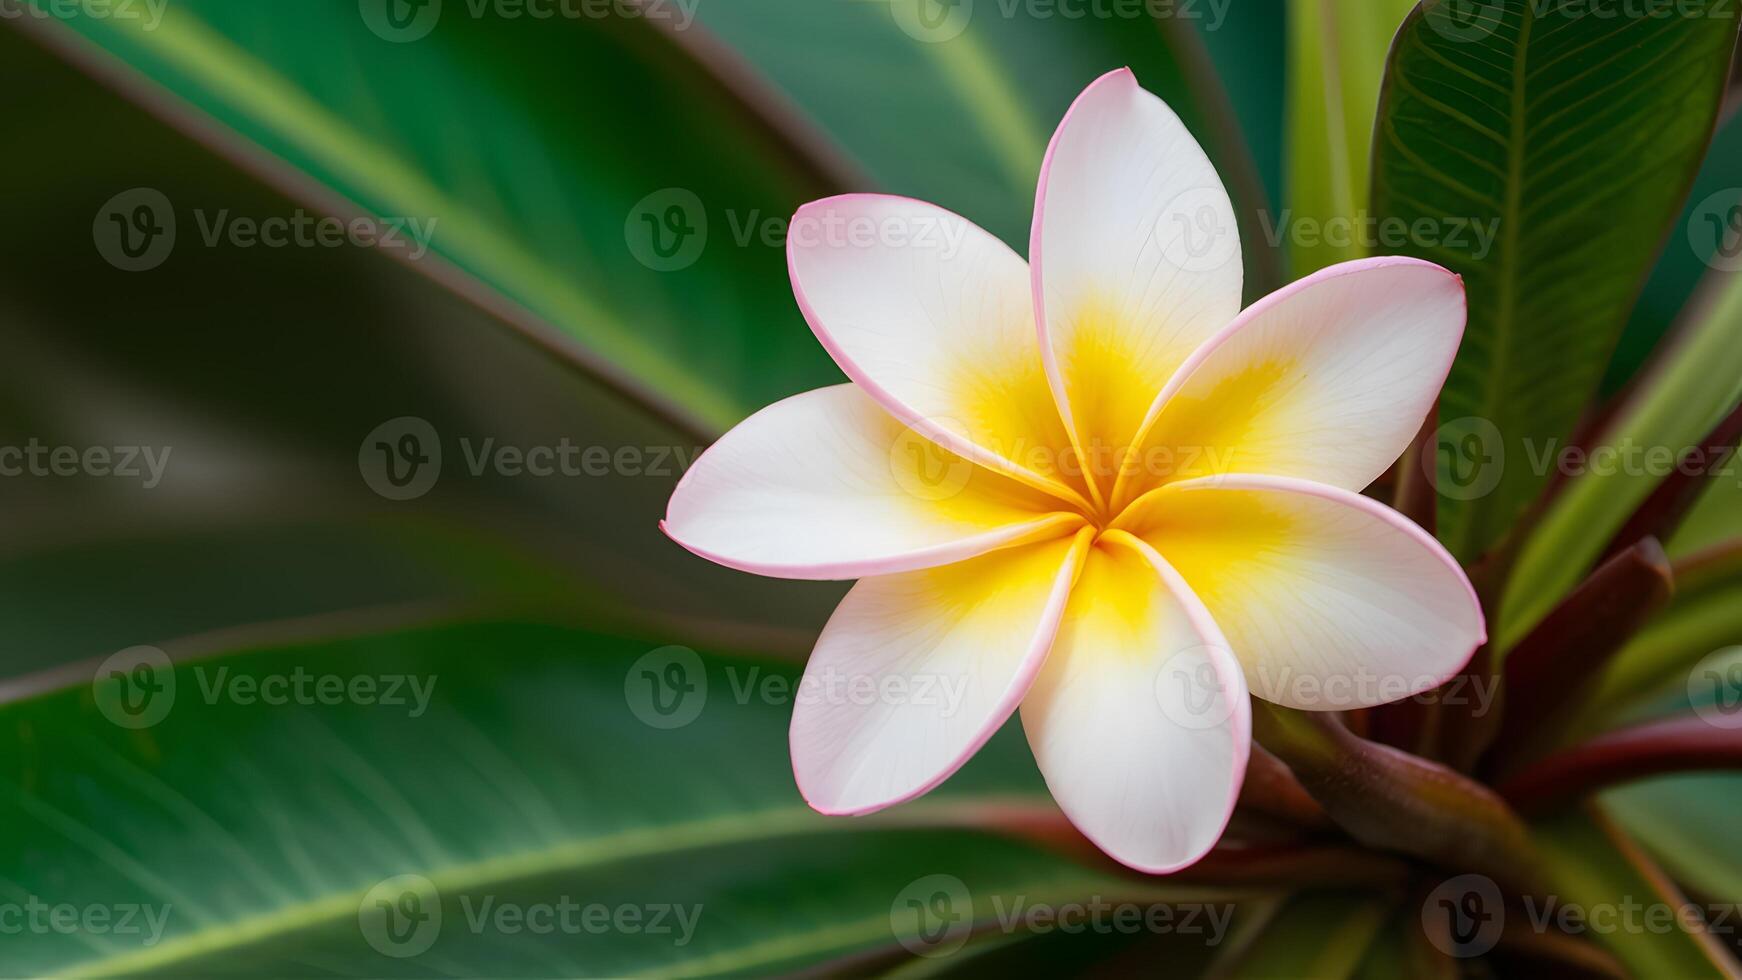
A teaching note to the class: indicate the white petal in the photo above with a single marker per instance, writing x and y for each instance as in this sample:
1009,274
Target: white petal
1329,599
826,485
932,317
915,672
1139,719
1327,379
1135,256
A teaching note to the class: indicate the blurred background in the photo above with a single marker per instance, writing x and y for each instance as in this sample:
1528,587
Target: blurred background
352,350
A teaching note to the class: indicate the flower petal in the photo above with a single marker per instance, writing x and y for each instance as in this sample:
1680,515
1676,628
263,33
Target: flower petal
1135,257
1139,719
1329,599
1327,379
914,672
931,316
826,485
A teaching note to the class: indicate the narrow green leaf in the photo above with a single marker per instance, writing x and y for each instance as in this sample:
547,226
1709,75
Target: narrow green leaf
1601,873
1323,935
1558,142
1336,60
1698,380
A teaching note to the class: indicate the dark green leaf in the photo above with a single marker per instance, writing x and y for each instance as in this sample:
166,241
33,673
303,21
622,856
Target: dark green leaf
1571,132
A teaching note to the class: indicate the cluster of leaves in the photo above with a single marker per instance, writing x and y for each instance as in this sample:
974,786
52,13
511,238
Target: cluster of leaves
1579,138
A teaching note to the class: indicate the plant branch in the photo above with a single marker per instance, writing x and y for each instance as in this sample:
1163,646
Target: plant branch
1386,798
1662,512
1561,660
1684,744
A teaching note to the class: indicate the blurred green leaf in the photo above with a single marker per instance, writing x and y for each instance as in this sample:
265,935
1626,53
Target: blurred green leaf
1572,134
1324,935
1597,867
528,149
259,372
1679,818
1697,382
1336,59
535,765
966,97
1688,255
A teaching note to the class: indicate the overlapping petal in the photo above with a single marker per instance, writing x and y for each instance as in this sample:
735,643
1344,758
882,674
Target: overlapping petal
1326,380
1139,718
914,672
1330,600
932,316
826,485
1135,257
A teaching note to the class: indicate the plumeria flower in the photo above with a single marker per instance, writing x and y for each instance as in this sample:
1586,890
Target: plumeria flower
1091,486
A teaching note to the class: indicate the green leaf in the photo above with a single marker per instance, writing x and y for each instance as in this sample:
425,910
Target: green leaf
1336,59
524,146
533,767
260,389
1324,935
1598,868
1687,256
1571,134
1680,819
1696,383
967,97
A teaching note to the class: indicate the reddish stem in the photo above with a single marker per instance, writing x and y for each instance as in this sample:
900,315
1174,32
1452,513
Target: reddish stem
1684,744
